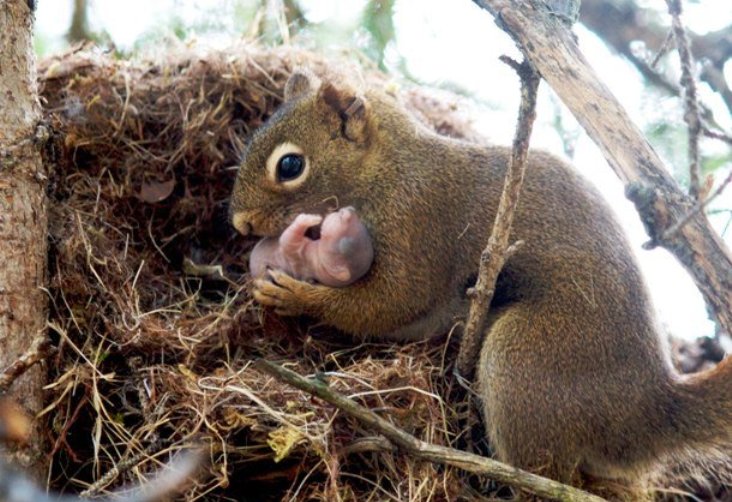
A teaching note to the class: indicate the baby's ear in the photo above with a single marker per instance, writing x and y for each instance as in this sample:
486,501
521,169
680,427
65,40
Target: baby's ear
349,107
301,82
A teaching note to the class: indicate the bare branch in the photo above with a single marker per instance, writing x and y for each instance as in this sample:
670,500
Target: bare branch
669,233
120,467
496,251
469,462
662,50
717,135
35,353
174,477
691,101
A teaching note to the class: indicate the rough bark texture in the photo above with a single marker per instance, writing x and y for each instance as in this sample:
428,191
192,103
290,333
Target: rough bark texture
552,48
22,217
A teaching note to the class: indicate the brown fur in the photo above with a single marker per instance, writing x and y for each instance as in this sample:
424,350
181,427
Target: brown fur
574,375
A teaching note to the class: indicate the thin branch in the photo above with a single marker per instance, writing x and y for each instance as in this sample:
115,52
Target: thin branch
120,467
662,50
171,479
497,251
713,74
717,135
691,101
722,186
669,234
469,462
35,353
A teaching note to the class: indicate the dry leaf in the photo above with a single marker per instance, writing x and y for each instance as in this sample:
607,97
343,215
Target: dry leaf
156,191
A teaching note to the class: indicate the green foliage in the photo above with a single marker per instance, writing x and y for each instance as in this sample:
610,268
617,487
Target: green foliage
713,163
378,22
41,45
670,141
229,19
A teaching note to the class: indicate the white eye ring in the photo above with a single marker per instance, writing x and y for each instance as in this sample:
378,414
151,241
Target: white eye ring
280,151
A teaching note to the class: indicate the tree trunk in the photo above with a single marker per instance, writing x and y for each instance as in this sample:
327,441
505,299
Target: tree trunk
23,246
79,29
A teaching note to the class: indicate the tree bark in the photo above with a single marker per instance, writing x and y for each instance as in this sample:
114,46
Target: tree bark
551,47
23,237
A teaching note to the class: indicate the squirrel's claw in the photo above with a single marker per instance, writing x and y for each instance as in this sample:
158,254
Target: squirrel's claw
287,295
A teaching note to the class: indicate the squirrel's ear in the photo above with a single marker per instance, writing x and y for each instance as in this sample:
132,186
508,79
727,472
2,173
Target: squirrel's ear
300,83
350,108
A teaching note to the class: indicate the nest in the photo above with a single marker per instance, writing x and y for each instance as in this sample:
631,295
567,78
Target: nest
150,304
151,309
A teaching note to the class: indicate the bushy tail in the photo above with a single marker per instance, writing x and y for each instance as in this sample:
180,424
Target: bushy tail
698,422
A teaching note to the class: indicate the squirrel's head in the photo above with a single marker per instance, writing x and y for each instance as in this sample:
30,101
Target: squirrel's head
305,159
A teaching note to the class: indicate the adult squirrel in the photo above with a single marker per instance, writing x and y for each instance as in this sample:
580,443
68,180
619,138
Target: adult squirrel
574,374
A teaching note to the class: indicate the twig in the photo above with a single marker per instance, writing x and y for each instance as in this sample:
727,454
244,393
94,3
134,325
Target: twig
380,444
497,251
717,135
175,476
691,101
122,466
671,231
469,462
35,353
662,50
171,479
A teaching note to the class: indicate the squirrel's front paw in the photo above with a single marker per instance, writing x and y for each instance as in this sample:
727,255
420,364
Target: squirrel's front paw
287,295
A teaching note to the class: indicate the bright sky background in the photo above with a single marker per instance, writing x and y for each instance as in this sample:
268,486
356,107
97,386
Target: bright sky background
454,42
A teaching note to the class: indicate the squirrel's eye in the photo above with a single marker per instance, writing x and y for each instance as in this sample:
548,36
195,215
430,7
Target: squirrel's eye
287,167
290,166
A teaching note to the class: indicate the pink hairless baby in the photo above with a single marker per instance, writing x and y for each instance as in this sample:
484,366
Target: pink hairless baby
342,254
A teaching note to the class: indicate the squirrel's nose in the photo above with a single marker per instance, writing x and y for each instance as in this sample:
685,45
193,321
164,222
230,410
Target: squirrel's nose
241,223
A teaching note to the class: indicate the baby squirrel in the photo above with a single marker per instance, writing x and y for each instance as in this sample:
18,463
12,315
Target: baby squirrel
341,254
574,375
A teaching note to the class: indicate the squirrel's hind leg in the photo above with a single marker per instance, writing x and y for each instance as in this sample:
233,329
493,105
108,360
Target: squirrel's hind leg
539,416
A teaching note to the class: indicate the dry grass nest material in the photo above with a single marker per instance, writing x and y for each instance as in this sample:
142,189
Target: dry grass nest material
150,304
